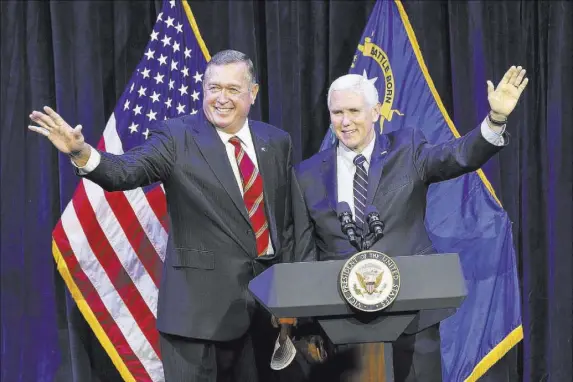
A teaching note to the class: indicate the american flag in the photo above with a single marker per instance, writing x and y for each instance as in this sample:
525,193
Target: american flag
110,246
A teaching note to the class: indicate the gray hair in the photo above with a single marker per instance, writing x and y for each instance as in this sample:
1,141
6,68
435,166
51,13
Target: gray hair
226,57
357,83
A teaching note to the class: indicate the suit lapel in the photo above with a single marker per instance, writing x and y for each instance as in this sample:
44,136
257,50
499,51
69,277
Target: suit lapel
215,155
267,167
377,161
328,171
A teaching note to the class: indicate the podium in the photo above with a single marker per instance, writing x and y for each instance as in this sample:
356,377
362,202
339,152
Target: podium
432,287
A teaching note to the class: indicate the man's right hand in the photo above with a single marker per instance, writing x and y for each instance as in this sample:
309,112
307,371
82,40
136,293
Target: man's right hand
68,140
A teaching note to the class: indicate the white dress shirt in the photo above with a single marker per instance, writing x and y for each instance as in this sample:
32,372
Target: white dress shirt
244,134
345,168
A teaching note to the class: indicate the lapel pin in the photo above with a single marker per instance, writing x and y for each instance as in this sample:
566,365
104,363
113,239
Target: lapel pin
264,148
383,152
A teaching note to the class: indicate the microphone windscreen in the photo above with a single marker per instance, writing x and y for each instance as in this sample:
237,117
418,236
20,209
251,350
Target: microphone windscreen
342,207
370,209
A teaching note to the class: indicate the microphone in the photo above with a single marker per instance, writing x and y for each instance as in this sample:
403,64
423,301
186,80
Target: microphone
375,225
347,223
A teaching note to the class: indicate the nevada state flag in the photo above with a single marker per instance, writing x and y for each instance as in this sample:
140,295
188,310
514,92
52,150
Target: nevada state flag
463,215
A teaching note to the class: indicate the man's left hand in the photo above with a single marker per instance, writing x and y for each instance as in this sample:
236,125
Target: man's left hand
502,100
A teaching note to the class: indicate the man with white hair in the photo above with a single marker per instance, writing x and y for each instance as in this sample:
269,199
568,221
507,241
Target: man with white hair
391,172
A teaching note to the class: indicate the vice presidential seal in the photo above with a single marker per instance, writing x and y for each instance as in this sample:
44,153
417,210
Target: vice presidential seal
369,281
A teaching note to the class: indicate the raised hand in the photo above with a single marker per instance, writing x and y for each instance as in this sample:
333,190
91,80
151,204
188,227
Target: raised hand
503,99
66,139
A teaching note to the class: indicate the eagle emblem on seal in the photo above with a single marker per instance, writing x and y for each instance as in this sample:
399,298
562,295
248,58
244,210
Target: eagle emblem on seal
370,282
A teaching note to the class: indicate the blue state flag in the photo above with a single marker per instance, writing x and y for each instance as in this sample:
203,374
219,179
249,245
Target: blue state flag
463,215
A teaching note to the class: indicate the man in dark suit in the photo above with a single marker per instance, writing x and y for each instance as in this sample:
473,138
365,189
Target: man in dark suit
227,183
391,172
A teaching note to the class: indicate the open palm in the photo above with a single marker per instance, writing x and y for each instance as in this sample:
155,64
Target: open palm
503,99
65,138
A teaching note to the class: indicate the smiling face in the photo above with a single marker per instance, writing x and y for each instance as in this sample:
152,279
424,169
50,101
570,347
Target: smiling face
228,95
352,119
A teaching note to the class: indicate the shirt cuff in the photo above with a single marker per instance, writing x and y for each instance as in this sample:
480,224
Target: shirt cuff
91,164
491,136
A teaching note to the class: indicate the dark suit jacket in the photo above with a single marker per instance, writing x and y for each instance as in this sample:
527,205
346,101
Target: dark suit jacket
402,167
211,250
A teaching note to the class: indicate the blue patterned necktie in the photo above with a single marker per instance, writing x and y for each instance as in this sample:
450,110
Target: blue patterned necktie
360,190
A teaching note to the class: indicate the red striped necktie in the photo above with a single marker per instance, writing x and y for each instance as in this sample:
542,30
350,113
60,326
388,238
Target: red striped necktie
253,196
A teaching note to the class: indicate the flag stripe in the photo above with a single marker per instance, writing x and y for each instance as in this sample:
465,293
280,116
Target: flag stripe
124,214
158,204
110,276
110,141
149,221
132,368
145,319
147,209
119,241
115,242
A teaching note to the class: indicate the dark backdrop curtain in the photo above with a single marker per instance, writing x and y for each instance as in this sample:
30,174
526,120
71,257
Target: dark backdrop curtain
79,55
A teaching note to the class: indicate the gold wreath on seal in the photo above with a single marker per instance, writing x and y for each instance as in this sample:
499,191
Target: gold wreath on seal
349,292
